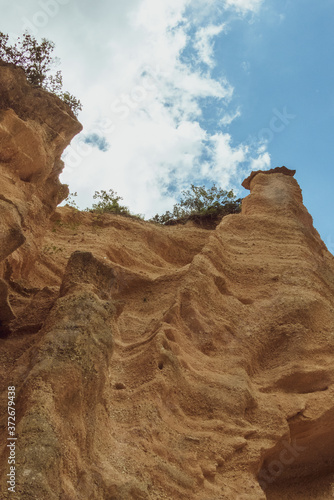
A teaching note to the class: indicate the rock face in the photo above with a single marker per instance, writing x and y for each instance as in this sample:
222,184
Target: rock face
171,362
35,127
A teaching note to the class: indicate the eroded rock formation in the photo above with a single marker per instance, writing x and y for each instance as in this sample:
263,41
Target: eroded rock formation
35,128
166,362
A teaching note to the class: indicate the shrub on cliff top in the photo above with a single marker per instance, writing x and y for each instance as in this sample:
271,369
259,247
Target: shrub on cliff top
109,203
36,61
201,205
204,206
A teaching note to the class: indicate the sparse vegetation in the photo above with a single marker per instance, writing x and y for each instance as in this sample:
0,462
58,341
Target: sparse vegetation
109,203
70,201
201,205
52,249
204,206
37,62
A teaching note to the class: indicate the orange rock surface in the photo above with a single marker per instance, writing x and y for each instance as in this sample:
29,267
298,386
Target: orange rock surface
157,362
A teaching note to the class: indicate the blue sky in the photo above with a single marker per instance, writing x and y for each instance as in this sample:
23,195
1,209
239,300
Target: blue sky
289,65
191,91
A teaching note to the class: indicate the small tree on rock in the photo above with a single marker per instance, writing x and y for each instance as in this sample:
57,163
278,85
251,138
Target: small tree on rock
109,203
37,61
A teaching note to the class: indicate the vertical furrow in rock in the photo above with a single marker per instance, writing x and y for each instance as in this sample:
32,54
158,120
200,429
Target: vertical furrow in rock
61,399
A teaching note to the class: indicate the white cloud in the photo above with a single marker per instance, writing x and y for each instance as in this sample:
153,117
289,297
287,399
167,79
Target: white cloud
228,118
124,60
160,16
227,160
244,5
204,44
262,162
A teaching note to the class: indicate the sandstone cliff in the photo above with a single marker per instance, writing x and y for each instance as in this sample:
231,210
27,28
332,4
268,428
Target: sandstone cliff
35,127
159,362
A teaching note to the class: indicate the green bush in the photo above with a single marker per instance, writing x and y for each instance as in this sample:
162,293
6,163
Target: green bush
36,60
201,204
109,203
